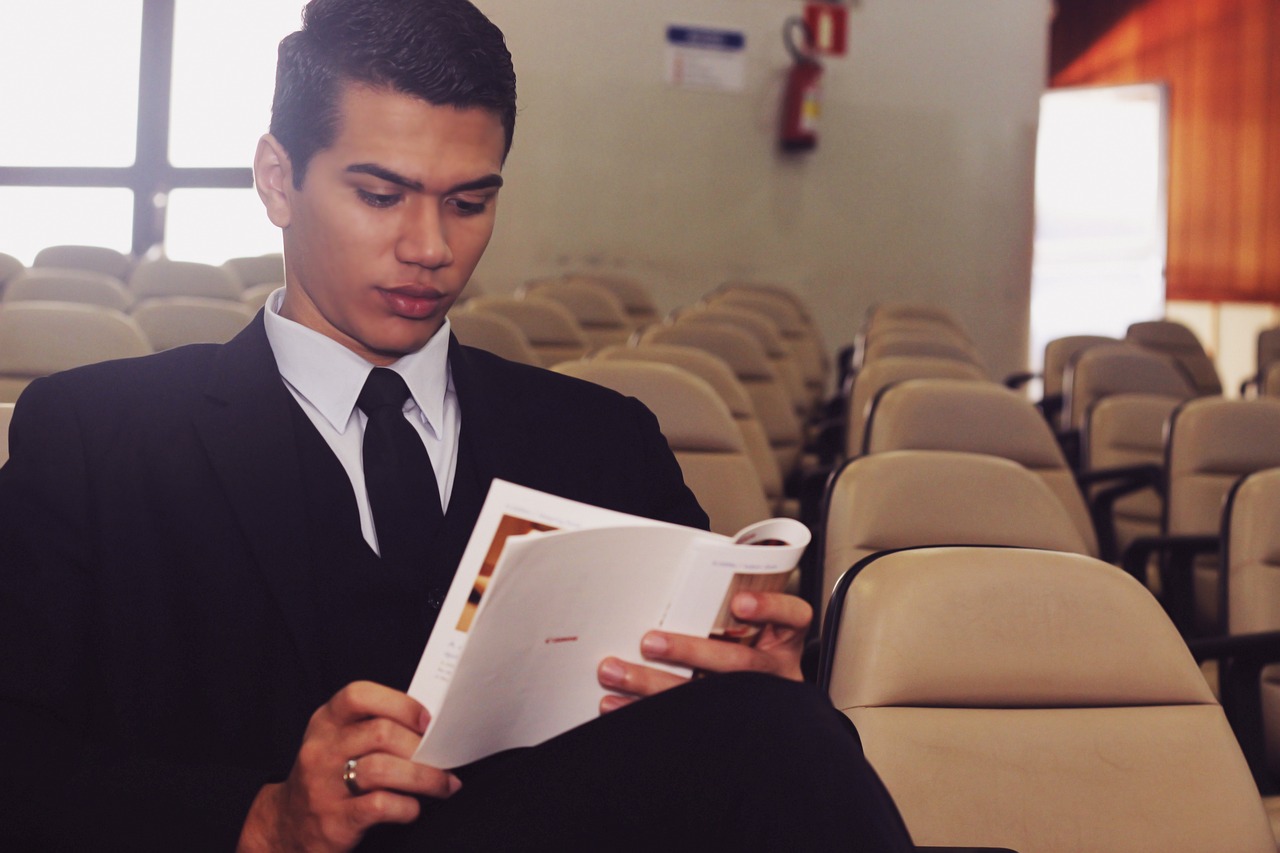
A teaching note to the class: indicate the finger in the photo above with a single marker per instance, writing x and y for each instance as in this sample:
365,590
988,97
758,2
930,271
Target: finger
382,772
702,653
635,679
363,699
379,734
773,608
368,810
613,702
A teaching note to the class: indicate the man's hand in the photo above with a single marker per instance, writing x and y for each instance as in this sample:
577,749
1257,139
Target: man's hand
313,809
783,620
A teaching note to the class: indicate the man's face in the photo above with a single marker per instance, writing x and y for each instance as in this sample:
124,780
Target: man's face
390,220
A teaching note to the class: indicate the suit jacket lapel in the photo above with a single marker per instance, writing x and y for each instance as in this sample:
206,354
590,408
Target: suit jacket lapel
248,431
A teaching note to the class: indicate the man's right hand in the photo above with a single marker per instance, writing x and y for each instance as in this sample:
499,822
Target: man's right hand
313,809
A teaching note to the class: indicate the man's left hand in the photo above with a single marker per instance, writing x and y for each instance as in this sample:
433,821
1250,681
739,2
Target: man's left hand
784,623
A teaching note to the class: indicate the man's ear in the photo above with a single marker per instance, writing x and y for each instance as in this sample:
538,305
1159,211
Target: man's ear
273,178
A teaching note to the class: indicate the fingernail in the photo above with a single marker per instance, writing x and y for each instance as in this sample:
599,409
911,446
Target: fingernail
455,785
612,673
611,703
746,604
424,719
654,645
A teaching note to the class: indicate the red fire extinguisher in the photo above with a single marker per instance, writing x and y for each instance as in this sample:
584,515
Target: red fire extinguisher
801,104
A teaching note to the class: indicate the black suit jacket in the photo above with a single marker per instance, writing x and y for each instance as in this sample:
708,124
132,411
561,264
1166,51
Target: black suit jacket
159,643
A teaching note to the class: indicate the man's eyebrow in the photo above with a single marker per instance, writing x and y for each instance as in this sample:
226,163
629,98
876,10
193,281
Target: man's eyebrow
487,182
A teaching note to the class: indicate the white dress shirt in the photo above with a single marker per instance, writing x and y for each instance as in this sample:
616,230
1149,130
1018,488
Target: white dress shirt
326,378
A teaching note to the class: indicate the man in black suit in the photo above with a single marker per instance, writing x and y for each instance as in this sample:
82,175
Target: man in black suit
193,559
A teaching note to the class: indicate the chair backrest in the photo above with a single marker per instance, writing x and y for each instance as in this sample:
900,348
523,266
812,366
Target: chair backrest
552,330
919,344
1099,371
910,498
977,417
601,315
1121,431
10,268
797,330
700,432
766,331
717,374
1251,553
747,359
40,338
92,258
637,300
1036,701
1181,344
1058,354
920,311
174,321
62,284
1268,353
495,333
1212,443
257,269
886,371
6,415
163,277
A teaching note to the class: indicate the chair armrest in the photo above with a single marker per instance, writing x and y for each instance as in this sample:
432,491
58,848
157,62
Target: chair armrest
1128,479
1241,658
1177,554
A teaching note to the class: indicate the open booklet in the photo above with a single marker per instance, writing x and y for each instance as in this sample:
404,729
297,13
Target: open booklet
549,587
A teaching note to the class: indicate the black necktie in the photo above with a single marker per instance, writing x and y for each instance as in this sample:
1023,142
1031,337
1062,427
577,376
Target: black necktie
403,496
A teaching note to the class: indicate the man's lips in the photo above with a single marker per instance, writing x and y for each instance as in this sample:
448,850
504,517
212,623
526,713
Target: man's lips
411,301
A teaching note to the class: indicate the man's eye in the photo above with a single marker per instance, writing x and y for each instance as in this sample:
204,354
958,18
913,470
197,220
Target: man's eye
377,199
469,208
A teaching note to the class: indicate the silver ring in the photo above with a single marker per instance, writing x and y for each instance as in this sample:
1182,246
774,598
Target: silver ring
349,778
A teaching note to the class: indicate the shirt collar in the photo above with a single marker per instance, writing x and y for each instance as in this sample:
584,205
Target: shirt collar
330,376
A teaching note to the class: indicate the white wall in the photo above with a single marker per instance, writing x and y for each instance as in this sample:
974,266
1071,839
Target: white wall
921,188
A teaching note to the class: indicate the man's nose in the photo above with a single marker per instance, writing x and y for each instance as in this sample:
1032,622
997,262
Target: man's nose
424,239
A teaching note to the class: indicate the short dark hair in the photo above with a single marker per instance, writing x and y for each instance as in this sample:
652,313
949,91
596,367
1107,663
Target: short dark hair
445,52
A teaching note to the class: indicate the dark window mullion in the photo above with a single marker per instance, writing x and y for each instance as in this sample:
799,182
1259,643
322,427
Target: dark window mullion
151,165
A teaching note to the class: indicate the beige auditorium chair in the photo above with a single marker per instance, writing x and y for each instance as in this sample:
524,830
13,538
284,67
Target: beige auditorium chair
977,417
177,320
720,377
700,431
1211,443
1100,371
63,284
911,498
6,415
1251,553
1057,355
747,359
599,313
796,329
1179,343
256,270
766,331
10,268
40,338
883,372
1122,452
1037,701
162,277
913,311
1266,358
920,344
552,330
494,333
637,300
92,258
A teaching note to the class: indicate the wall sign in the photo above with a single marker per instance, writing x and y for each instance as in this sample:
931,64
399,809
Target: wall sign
829,24
706,58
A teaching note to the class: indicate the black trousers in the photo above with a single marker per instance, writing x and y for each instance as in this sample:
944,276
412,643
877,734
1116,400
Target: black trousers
733,762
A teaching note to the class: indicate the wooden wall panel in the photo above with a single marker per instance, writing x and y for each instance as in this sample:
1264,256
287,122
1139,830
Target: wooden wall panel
1221,60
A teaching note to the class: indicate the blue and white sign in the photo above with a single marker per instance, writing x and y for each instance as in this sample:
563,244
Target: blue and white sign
706,58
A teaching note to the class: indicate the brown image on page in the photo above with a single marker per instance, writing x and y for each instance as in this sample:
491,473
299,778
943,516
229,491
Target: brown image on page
728,627
510,525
